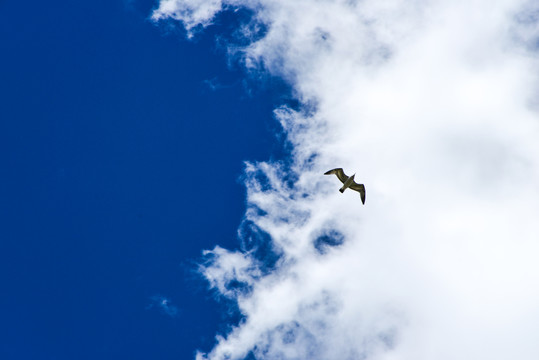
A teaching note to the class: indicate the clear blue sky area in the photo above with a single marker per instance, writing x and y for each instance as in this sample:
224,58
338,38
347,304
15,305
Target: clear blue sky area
119,165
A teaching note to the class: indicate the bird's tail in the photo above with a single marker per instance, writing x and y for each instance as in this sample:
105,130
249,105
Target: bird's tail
341,190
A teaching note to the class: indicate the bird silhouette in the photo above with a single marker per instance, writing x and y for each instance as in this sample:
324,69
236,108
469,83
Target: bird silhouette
348,182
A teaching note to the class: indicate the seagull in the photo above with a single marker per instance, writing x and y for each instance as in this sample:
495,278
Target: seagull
348,182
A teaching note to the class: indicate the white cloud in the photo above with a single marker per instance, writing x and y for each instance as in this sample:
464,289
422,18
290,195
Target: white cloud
191,13
434,104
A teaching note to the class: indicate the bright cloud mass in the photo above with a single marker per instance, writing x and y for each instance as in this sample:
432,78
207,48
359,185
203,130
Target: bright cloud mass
434,105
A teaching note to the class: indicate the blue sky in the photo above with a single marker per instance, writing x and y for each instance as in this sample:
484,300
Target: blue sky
119,164
113,246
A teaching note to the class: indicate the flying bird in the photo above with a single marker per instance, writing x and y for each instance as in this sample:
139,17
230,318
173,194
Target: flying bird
348,182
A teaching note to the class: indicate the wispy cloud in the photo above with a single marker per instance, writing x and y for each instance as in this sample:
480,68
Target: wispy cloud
214,84
164,305
432,104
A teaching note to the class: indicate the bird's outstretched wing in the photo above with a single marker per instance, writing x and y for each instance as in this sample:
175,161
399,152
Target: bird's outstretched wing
339,172
360,188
